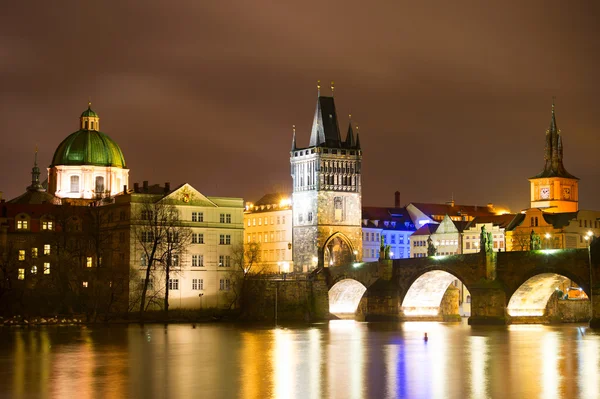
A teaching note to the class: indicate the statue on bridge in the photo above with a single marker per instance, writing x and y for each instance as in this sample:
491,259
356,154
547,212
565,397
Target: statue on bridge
431,249
535,241
486,241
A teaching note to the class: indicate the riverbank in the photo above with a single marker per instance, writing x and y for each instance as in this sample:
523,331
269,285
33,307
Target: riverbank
176,316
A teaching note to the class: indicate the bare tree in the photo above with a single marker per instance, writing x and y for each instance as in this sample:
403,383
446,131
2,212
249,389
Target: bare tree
519,240
161,238
246,260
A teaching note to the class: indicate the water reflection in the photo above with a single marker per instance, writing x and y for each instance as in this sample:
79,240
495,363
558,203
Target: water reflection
341,359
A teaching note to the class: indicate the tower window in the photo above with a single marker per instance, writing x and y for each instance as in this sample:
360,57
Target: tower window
85,124
74,184
99,184
338,209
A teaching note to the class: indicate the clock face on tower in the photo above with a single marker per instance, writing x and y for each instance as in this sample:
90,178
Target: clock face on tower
567,192
544,192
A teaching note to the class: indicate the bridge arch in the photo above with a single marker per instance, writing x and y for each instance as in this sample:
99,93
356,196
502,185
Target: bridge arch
531,298
338,250
428,291
345,296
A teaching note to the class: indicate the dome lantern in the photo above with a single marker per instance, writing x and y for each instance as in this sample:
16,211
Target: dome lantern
89,120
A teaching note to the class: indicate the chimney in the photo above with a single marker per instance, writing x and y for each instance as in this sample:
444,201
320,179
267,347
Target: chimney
136,187
397,199
167,187
145,183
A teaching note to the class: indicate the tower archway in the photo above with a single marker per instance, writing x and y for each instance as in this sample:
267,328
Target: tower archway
338,251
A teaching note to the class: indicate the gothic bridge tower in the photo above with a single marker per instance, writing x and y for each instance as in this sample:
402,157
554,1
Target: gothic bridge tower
326,194
554,189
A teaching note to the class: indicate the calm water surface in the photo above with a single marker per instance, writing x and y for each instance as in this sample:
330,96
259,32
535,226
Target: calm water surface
339,359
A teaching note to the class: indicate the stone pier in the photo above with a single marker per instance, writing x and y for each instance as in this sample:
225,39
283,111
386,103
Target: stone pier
488,304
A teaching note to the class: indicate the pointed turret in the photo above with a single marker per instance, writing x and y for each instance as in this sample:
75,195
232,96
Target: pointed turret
294,139
553,152
350,142
325,130
357,139
35,175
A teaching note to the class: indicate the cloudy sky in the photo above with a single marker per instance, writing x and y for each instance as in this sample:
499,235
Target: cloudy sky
452,98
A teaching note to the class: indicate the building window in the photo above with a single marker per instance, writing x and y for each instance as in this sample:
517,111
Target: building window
228,239
393,239
228,218
150,283
224,284
227,261
197,284
34,253
175,260
400,239
222,218
99,184
309,216
21,254
85,284
147,236
197,216
46,249
173,284
74,184
46,267
536,221
221,260
33,269
88,261
147,215
222,239
338,209
278,219
144,260
283,220
197,260
197,238
468,245
22,224
47,225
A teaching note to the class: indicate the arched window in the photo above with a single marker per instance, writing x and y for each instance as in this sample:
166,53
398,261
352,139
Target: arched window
531,221
74,184
85,124
536,221
468,298
99,184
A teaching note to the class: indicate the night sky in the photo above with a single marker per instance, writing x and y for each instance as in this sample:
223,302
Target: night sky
451,99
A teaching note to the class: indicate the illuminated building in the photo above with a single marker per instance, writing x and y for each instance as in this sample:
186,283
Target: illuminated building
268,222
496,225
554,213
88,164
392,225
554,189
203,274
422,213
326,194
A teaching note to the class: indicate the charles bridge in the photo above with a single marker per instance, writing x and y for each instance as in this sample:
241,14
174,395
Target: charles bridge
504,287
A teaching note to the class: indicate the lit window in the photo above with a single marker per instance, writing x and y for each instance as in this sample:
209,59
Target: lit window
88,261
74,184
85,284
46,249
173,284
46,267
34,253
47,225
22,225
33,269
248,222
253,221
21,274
197,284
99,184
21,254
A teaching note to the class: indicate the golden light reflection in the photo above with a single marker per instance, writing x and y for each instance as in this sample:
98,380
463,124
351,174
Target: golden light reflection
589,364
346,360
391,369
479,356
550,378
314,363
284,358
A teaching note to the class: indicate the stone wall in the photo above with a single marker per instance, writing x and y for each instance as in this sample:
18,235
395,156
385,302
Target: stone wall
293,300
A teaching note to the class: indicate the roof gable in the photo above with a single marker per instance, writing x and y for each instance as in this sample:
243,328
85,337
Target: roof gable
188,195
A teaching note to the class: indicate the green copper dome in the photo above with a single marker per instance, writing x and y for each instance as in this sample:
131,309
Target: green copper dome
89,112
89,147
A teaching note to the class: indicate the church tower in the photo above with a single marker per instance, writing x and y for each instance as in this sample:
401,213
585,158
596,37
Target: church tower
554,189
326,175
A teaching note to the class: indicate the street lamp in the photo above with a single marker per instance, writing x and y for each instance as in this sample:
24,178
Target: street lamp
548,235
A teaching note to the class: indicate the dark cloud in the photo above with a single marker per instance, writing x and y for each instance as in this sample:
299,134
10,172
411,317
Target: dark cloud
451,98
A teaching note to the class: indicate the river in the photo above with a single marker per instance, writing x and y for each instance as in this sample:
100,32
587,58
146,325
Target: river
338,359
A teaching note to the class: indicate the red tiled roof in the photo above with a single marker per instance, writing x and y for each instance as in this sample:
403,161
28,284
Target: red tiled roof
456,210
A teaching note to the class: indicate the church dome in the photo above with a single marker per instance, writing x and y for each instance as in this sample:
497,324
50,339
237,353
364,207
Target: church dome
89,146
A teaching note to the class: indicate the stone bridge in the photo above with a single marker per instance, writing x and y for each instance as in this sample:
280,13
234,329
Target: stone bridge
504,287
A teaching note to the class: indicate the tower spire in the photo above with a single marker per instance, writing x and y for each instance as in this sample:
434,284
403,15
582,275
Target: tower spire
350,143
318,88
294,138
332,88
35,174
